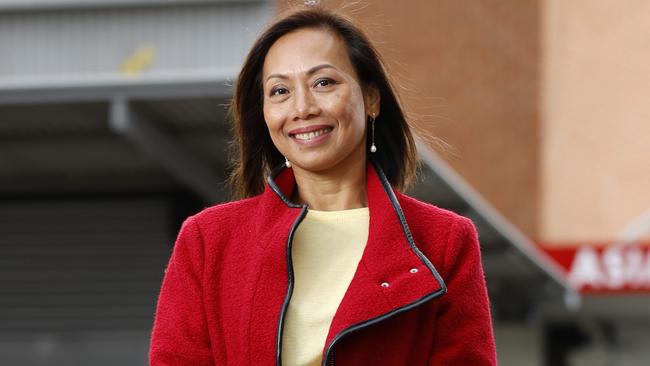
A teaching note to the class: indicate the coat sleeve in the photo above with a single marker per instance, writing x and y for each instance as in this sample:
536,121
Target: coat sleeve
463,334
180,335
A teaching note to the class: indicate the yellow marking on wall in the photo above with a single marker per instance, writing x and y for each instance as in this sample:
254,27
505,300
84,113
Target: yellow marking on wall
139,61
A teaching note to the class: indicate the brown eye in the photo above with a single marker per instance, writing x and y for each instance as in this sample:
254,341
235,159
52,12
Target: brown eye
324,82
278,91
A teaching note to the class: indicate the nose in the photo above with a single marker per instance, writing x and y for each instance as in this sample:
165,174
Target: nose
305,104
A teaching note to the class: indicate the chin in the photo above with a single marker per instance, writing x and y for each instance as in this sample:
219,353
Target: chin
328,159
320,165
315,165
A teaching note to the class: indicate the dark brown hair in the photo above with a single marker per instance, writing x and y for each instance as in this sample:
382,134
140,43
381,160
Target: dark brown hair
254,154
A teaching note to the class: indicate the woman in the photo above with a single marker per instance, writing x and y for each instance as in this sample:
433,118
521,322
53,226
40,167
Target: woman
328,262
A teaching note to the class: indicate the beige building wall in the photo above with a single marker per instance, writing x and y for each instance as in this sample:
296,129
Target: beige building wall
595,160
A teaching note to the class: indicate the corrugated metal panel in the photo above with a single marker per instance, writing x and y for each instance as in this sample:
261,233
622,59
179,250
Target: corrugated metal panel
81,265
94,44
128,348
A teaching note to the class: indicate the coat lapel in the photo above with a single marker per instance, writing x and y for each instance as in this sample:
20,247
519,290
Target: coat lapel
274,219
392,276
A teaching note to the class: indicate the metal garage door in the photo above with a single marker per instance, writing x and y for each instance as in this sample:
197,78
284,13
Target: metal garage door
79,279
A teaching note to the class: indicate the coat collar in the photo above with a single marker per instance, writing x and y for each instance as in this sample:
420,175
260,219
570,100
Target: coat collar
393,274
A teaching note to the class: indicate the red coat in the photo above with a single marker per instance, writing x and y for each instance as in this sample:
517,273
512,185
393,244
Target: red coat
229,280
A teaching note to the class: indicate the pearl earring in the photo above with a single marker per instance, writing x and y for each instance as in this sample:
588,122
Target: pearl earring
373,148
287,163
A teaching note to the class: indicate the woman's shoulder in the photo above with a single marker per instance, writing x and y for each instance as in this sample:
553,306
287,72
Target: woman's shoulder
226,215
228,209
431,215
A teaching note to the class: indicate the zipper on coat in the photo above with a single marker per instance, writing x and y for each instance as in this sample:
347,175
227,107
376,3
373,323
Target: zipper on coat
287,296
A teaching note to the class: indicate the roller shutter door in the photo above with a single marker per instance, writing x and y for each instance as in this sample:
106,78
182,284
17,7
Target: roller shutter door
79,279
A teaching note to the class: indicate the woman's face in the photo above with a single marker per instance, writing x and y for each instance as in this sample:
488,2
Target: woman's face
314,106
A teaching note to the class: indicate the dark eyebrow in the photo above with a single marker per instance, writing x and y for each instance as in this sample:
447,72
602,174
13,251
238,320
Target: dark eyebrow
309,72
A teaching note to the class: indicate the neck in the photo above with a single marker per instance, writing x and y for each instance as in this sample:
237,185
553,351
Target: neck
340,188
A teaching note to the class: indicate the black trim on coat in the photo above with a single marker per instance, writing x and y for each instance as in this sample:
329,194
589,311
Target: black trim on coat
409,237
270,180
287,296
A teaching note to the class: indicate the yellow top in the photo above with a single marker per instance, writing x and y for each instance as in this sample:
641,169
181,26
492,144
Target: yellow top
326,249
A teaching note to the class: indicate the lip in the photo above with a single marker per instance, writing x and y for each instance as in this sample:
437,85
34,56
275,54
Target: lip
308,129
316,140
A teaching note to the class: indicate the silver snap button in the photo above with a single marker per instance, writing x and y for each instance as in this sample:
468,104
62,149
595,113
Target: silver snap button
384,284
414,270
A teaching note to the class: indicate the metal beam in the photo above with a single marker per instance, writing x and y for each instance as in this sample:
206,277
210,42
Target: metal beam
37,5
172,156
207,83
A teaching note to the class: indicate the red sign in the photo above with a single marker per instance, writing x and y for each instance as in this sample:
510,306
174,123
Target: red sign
613,268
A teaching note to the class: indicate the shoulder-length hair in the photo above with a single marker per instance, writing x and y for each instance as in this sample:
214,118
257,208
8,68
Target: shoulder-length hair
253,152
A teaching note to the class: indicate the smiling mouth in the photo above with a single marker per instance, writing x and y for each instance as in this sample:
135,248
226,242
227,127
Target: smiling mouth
312,134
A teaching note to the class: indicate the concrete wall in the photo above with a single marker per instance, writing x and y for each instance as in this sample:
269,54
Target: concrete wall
519,345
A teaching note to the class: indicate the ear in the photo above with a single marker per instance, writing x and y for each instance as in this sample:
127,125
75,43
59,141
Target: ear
371,100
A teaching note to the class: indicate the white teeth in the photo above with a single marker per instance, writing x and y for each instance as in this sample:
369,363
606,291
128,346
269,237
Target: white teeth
312,134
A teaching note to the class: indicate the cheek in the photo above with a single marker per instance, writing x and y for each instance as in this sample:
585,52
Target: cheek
273,118
344,104
352,109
